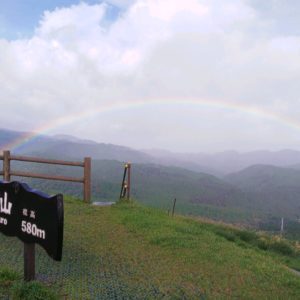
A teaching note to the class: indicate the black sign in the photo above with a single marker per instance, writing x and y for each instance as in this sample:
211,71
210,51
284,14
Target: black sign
32,216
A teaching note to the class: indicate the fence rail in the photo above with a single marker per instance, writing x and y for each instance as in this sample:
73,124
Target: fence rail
85,180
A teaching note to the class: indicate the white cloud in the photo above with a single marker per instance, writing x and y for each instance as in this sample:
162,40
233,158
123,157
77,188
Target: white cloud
168,9
77,60
80,20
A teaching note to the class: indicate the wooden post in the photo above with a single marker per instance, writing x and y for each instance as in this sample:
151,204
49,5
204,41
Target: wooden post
128,181
29,262
173,210
281,227
6,165
87,180
123,182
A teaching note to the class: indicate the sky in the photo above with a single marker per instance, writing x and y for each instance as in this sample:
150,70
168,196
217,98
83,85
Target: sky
186,76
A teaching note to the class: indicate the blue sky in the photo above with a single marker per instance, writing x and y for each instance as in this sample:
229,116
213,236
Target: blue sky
19,18
193,75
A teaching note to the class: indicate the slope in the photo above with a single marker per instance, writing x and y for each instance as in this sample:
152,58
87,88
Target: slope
133,252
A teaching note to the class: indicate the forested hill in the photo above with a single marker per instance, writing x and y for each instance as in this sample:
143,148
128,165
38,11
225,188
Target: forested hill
255,194
274,190
151,184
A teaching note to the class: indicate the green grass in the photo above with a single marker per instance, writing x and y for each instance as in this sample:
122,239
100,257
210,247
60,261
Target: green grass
33,291
13,287
7,278
128,251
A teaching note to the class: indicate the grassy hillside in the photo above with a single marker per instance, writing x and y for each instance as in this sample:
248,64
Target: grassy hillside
132,252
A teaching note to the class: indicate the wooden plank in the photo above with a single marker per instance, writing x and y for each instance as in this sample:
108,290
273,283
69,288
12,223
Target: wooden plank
87,180
86,164
43,176
6,165
46,161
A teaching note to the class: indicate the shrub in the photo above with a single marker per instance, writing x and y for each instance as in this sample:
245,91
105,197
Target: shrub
246,236
227,234
282,247
262,244
32,291
7,277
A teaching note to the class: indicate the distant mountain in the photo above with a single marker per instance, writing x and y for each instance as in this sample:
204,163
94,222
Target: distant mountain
228,161
253,193
296,166
275,190
218,164
168,158
70,147
35,143
7,136
76,150
261,176
70,138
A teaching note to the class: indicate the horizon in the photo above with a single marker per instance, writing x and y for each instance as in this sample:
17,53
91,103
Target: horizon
195,76
30,137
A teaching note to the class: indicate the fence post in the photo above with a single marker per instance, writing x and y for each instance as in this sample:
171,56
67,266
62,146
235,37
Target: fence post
87,180
128,181
123,182
6,165
173,210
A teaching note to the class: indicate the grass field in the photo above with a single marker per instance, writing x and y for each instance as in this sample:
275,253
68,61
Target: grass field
128,251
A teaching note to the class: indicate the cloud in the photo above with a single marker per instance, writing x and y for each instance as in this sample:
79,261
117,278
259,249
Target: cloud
78,58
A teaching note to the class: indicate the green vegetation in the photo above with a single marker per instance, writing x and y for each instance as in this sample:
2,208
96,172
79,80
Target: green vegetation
257,196
252,197
33,291
13,287
7,278
157,186
128,251
274,190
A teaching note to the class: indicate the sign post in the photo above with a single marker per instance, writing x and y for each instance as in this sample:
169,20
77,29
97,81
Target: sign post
29,262
33,217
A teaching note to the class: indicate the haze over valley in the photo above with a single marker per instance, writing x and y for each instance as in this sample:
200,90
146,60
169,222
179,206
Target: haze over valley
253,188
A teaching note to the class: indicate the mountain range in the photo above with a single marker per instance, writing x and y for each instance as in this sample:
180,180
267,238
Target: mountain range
236,187
218,164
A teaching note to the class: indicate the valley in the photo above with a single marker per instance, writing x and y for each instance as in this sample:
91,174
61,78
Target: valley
257,196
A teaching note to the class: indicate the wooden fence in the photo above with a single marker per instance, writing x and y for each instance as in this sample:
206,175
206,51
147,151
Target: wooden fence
85,180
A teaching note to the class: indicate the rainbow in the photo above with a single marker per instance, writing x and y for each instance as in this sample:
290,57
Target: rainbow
135,104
